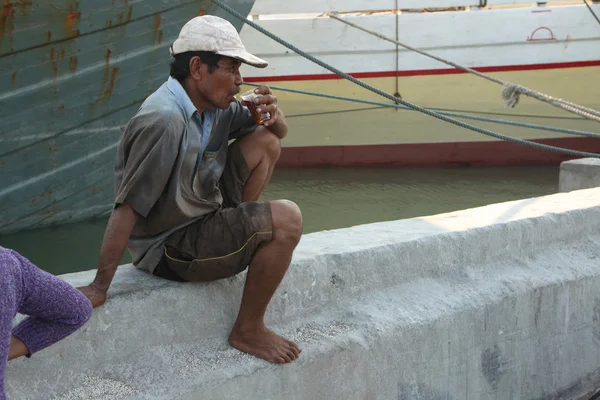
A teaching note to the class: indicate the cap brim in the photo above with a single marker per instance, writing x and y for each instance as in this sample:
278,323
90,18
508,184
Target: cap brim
244,57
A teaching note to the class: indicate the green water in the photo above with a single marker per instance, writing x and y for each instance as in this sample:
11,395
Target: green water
329,198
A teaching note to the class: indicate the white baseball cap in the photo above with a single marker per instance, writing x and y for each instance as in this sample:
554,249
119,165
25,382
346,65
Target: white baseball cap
210,33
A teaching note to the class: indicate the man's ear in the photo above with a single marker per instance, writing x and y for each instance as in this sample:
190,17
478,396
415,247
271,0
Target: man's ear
196,68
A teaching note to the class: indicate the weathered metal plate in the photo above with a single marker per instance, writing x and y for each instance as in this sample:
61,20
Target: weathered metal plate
71,74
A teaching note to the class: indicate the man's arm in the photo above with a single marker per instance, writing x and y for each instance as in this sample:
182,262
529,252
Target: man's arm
279,127
116,235
145,158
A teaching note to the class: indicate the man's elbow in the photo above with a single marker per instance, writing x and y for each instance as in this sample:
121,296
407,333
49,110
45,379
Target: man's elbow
280,133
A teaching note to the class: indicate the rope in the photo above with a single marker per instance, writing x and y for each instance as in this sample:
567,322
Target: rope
511,92
395,99
447,113
592,11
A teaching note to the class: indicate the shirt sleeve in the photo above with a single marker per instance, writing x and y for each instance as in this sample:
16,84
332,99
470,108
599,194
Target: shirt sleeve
145,159
242,122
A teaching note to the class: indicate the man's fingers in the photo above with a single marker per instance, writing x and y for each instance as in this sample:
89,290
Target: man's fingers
262,90
95,297
266,99
271,108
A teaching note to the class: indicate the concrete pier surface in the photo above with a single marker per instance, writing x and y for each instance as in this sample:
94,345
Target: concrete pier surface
496,302
582,173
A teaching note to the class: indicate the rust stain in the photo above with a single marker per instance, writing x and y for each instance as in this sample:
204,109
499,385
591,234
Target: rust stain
7,21
45,194
51,211
2,163
158,34
53,61
71,21
201,12
49,37
13,80
53,148
7,17
61,108
25,5
106,66
57,54
73,61
109,23
123,18
111,84
108,82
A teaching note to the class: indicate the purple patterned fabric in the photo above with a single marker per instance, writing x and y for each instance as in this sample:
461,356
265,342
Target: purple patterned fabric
55,308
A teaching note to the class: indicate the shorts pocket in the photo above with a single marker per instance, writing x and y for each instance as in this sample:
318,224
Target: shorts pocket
200,270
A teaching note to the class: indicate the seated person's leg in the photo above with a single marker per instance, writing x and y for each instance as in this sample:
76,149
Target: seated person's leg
250,164
55,308
10,276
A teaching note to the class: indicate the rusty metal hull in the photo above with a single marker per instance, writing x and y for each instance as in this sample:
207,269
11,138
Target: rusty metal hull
71,74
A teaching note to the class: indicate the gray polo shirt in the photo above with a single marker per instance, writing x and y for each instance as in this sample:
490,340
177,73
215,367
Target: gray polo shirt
169,162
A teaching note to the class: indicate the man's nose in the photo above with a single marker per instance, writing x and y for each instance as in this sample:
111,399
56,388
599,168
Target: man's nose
238,78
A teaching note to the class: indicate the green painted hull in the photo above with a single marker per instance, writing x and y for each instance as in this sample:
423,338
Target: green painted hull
71,75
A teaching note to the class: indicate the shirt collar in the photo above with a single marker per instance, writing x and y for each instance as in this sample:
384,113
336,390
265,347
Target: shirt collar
182,97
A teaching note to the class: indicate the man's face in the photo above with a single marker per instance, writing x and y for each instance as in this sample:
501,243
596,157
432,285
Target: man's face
220,86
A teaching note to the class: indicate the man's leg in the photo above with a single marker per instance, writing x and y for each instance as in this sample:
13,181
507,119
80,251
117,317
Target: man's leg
269,232
269,263
267,268
261,150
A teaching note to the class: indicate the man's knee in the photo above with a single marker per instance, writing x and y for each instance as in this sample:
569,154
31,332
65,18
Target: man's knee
259,144
287,221
272,146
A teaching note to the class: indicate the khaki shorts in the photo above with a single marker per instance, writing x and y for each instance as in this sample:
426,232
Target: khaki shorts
221,244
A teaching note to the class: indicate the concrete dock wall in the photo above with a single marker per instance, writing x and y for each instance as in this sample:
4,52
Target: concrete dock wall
582,173
496,302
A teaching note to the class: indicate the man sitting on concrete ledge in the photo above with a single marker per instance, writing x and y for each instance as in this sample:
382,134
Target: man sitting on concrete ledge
187,202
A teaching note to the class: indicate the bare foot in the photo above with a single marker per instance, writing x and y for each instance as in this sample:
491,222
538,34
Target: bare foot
265,344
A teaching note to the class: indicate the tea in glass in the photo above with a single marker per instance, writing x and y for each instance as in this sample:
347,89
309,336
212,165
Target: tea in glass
248,102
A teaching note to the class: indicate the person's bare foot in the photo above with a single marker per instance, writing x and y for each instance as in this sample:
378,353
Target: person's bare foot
264,343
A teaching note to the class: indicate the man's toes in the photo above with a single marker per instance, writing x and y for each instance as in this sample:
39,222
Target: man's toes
291,355
294,345
286,358
294,351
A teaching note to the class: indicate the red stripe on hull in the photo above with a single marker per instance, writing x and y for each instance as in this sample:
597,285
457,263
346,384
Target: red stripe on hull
435,154
422,72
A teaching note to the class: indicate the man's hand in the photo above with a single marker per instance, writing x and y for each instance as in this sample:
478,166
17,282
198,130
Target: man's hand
267,103
95,294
